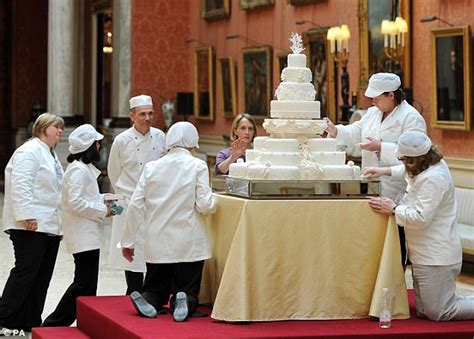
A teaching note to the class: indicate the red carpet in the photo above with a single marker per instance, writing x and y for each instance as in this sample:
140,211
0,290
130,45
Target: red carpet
115,317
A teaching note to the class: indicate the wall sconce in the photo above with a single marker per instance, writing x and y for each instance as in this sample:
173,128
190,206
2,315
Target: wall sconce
107,48
243,38
338,38
191,40
302,22
394,33
252,43
433,18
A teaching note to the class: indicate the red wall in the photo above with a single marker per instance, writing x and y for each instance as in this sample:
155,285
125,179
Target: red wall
160,65
163,62
461,12
30,58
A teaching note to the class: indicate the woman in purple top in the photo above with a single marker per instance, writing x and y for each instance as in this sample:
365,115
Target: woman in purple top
242,132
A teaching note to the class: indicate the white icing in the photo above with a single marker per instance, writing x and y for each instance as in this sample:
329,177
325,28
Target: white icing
322,145
295,91
259,142
296,60
296,74
282,127
281,145
295,109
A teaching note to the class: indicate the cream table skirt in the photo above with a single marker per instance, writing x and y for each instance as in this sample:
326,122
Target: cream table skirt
301,259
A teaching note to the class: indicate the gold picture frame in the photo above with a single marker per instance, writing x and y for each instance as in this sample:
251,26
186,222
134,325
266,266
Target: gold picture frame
215,9
227,83
282,61
257,71
251,4
324,72
371,42
451,78
204,83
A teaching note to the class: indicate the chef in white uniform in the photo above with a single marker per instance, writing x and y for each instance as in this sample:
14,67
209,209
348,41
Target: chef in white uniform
84,211
172,196
377,133
130,152
33,179
428,214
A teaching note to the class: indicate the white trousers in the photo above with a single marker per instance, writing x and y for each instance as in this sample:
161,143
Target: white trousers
435,293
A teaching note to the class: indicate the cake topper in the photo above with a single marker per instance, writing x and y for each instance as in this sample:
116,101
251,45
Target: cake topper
296,43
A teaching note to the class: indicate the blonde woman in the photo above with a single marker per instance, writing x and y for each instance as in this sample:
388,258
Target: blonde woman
33,179
242,133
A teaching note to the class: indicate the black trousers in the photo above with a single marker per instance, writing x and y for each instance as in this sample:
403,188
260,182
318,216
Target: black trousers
134,281
403,247
25,291
162,280
86,274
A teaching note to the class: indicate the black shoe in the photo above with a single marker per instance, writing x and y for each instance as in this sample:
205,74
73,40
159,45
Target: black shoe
197,314
142,306
181,309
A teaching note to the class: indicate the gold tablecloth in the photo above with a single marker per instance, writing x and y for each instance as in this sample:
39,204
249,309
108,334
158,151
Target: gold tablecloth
301,259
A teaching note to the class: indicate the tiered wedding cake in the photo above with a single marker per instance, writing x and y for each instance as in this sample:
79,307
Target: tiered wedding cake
295,149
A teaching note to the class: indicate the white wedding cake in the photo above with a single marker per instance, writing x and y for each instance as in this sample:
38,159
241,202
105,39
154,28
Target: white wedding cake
295,150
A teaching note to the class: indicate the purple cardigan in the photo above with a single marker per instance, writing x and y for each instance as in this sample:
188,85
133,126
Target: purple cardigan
221,156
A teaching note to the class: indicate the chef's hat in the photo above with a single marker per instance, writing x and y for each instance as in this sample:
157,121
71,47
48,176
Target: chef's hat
413,144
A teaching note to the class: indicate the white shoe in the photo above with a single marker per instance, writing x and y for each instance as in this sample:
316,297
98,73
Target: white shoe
181,309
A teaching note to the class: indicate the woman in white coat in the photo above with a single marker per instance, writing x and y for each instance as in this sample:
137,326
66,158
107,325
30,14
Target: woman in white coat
428,214
84,211
378,130
33,179
171,196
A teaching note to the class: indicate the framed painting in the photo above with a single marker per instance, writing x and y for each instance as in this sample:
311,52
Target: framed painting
282,59
204,83
215,9
323,69
257,80
373,57
226,78
451,78
250,4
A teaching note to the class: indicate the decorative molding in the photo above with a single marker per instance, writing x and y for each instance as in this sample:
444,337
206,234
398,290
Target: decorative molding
462,171
211,144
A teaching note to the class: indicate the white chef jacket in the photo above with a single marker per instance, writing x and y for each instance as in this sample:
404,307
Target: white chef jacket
33,178
129,154
84,209
172,195
428,214
403,118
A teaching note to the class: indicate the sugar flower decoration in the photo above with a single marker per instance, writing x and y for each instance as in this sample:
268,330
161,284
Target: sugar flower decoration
296,43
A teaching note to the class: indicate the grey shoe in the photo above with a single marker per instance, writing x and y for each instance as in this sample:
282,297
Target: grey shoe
142,306
181,310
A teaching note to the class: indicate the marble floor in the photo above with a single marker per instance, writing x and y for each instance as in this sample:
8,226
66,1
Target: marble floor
112,282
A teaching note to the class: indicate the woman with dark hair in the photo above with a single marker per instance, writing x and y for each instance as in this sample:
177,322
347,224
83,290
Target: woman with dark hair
242,133
33,179
428,215
378,130
84,211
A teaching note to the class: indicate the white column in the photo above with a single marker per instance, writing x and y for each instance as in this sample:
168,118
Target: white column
121,64
61,51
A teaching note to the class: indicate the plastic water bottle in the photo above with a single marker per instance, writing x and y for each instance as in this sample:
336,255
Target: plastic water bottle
385,317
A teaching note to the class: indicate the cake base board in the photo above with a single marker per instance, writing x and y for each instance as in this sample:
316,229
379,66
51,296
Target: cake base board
296,189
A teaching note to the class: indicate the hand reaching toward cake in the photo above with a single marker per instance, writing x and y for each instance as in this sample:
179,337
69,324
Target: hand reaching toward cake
331,129
373,144
375,172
